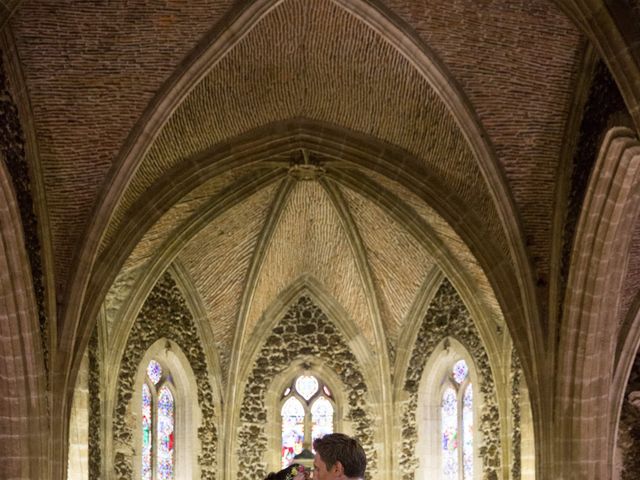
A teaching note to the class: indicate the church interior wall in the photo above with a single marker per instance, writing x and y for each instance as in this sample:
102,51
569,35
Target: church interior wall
362,190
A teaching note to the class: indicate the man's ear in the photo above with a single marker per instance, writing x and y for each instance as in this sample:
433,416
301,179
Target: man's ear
338,469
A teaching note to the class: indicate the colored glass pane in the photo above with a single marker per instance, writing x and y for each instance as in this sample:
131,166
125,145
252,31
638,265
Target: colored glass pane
166,434
321,418
154,371
307,386
326,390
467,428
292,429
460,371
147,423
449,424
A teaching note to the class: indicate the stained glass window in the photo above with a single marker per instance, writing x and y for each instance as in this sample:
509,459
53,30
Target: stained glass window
292,429
307,386
321,418
467,428
457,424
165,438
147,423
154,370
460,371
158,425
307,413
450,434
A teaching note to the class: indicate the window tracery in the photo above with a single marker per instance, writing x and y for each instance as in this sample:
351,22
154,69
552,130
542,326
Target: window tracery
456,416
307,412
158,424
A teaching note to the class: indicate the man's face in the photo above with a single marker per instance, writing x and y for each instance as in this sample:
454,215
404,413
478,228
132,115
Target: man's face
320,471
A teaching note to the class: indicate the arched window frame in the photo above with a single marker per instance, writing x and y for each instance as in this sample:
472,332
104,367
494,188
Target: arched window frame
187,415
275,401
435,380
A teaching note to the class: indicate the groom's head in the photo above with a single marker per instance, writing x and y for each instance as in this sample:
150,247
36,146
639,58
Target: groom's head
338,456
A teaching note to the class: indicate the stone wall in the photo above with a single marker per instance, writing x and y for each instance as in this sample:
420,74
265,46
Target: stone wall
516,417
629,427
305,330
447,316
164,315
95,411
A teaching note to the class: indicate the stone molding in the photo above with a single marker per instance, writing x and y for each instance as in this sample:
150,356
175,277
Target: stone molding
602,244
12,149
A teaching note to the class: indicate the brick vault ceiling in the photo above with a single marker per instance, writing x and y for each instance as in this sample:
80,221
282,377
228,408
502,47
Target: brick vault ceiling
312,60
315,61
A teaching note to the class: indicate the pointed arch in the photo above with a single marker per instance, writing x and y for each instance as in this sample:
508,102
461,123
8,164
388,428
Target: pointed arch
171,394
447,317
305,365
173,323
304,332
215,47
307,285
435,383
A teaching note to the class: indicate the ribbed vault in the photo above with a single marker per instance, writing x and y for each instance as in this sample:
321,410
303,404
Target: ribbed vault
369,239
314,60
369,243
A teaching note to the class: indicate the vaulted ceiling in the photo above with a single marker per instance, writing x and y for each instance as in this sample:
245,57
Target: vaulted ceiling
358,147
359,150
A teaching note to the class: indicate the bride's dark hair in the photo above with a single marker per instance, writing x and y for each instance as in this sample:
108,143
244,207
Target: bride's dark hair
285,473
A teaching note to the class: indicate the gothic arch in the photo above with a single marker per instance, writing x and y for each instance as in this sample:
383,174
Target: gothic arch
448,317
308,366
428,447
305,331
187,411
176,89
164,316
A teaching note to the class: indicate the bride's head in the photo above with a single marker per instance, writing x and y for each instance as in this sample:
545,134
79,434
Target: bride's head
293,471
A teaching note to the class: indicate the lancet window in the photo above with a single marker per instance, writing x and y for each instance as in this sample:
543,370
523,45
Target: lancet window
307,412
158,424
457,425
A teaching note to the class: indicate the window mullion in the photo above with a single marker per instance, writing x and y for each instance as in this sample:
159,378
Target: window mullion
461,390
307,427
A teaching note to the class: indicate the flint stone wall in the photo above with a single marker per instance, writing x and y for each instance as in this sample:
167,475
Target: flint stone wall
516,417
447,316
95,412
629,428
304,330
164,315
